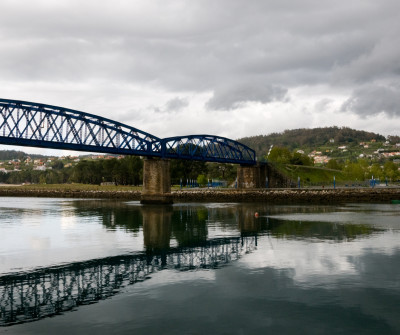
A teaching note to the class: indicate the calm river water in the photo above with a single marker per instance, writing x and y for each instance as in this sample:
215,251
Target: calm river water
72,266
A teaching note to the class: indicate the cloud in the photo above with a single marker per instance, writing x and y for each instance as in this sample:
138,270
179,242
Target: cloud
374,99
176,104
229,97
97,56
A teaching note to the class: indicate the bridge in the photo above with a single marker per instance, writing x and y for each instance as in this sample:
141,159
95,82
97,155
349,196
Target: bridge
32,124
50,291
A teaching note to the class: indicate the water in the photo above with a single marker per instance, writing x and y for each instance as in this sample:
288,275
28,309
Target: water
103,267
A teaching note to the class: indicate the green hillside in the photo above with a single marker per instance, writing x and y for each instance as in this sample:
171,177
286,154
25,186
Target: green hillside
310,175
310,139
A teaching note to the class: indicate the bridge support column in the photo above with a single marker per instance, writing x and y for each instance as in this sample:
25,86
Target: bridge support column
156,182
248,176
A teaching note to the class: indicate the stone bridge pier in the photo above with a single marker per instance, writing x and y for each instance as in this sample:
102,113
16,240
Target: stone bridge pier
156,182
262,175
252,176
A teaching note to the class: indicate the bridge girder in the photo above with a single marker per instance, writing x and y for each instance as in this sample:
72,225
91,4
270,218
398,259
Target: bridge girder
38,125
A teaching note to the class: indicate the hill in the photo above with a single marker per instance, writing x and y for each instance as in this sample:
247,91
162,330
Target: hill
13,154
309,139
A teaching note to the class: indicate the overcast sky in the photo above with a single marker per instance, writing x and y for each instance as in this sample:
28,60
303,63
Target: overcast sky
229,67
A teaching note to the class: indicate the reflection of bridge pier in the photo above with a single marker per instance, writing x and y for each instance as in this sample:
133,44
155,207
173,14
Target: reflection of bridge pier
248,223
157,229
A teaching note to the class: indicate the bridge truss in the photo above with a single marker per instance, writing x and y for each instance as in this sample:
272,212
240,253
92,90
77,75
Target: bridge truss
39,125
31,124
50,291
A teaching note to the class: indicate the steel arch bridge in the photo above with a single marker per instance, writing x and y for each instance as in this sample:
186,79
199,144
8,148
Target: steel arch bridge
38,125
46,292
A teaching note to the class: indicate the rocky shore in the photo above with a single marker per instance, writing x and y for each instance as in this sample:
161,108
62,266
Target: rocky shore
371,195
293,195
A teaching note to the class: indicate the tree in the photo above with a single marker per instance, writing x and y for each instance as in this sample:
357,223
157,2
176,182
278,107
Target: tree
355,171
300,159
202,180
334,165
186,169
376,171
280,155
391,170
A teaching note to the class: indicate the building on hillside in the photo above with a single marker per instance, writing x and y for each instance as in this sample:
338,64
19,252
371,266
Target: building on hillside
42,168
321,159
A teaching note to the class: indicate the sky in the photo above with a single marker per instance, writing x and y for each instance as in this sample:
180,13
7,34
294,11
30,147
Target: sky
231,68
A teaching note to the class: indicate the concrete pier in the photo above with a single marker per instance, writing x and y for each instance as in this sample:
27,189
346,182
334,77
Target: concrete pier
253,176
156,182
260,176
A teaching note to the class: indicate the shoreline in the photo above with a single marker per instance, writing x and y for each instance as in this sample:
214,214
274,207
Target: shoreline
278,195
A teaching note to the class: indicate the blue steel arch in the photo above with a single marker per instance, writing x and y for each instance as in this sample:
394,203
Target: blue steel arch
208,148
40,125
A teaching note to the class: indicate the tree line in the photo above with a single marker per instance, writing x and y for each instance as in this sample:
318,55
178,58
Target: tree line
361,169
125,171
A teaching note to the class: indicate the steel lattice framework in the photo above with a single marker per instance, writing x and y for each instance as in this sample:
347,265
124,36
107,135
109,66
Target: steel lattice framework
207,148
31,124
39,125
50,291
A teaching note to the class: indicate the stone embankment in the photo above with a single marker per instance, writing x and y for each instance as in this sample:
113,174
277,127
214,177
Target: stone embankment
219,195
292,195
98,194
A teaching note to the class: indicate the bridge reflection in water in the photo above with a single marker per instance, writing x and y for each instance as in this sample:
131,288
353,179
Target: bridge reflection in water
51,291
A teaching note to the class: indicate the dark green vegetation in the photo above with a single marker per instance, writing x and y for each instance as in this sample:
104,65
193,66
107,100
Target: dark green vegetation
125,171
311,139
95,170
13,154
317,156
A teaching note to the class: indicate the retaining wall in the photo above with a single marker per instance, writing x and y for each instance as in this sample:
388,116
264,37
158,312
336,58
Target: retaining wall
213,195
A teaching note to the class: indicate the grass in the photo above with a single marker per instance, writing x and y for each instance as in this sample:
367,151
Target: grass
311,175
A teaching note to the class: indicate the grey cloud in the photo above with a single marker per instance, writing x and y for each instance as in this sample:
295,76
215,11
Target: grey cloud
227,47
176,104
229,97
374,99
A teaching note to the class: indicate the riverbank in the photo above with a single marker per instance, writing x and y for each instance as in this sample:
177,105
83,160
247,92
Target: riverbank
379,194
